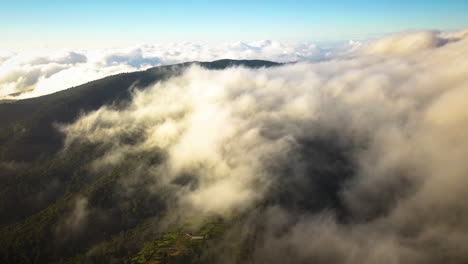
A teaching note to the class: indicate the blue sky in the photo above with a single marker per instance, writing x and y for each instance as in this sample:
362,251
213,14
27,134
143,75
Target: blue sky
118,23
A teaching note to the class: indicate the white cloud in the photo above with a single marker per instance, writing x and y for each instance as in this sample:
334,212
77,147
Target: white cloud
31,74
411,42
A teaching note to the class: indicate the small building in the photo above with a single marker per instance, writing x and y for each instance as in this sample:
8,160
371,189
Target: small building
194,237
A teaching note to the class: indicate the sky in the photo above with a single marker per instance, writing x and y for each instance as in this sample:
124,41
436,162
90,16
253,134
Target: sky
74,24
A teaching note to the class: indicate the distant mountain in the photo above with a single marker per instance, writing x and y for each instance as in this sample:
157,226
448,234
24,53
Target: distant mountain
56,208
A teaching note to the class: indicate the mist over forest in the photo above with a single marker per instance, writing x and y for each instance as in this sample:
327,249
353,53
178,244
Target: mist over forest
352,154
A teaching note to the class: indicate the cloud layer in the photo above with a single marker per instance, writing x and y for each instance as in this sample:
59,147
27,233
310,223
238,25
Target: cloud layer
29,74
359,159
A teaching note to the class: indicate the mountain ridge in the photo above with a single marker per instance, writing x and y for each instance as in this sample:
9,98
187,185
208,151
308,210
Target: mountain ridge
32,120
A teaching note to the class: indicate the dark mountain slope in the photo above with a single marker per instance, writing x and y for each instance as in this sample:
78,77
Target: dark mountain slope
55,208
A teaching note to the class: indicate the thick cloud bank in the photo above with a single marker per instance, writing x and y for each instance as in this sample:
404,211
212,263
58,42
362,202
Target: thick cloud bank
358,160
31,74
405,43
28,74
